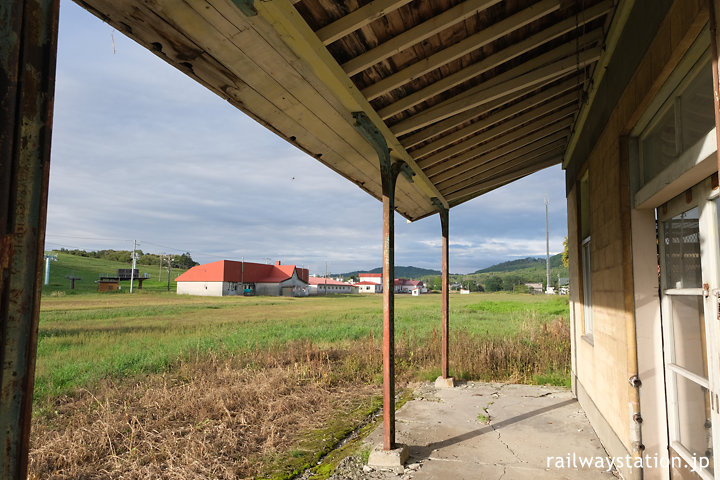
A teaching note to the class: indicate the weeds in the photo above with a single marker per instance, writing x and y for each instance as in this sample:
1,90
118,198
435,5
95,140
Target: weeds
256,386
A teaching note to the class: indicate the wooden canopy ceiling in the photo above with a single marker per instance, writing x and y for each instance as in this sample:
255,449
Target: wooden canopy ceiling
471,94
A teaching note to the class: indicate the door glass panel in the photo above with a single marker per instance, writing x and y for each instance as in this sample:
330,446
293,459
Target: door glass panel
690,348
682,251
693,414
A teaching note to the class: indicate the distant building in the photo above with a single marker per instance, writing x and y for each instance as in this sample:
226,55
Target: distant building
368,287
325,286
404,285
534,287
228,277
371,277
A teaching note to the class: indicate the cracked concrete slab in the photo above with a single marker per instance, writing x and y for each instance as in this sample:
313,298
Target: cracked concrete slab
496,431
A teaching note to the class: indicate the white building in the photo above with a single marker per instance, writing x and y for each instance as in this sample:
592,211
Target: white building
329,286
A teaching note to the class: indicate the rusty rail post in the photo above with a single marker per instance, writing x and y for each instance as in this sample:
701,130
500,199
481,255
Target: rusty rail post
28,47
444,224
389,172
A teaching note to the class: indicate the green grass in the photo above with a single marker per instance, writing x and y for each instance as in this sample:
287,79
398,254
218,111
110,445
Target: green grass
84,338
90,269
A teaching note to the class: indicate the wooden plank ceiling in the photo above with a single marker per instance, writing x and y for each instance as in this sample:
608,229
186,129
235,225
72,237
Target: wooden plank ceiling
472,94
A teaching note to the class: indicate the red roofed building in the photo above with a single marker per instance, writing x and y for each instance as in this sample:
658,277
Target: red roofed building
228,277
404,285
325,286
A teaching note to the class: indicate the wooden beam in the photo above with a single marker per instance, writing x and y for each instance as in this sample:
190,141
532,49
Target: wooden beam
513,141
358,19
499,129
452,122
495,88
497,157
487,64
474,176
453,52
416,34
491,184
282,16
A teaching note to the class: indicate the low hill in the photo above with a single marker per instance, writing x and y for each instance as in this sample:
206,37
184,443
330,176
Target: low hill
400,272
89,270
523,263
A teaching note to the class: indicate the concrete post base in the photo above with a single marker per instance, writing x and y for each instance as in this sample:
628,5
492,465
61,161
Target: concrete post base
441,382
390,459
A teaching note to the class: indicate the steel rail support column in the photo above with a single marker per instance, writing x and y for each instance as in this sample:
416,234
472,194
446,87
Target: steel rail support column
713,10
444,224
28,48
389,171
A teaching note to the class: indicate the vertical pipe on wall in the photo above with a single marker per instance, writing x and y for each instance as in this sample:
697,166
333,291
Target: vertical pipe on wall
444,224
28,48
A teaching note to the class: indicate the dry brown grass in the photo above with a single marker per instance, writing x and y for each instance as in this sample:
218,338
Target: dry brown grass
232,416
213,418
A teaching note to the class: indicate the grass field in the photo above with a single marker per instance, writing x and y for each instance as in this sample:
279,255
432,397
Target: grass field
90,269
207,374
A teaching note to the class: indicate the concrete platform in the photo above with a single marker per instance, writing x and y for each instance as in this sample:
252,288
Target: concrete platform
494,431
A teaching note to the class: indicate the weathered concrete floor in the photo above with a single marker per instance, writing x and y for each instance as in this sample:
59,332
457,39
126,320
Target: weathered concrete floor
449,437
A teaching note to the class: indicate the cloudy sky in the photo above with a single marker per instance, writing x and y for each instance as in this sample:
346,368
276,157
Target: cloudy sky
142,152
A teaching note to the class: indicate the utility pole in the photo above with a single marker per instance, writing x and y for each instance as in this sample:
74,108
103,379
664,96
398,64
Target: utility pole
132,270
169,259
242,275
325,278
547,245
160,270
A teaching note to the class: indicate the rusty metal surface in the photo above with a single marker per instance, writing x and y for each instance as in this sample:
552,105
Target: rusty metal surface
28,45
389,172
444,224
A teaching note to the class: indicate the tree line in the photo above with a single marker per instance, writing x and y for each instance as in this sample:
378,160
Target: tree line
183,260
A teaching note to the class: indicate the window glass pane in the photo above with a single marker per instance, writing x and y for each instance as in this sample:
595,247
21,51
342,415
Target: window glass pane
682,251
693,415
659,147
688,321
697,115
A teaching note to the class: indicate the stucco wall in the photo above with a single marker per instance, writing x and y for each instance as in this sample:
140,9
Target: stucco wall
604,365
213,289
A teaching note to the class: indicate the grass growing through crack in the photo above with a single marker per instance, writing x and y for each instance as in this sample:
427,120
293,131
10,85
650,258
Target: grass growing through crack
182,381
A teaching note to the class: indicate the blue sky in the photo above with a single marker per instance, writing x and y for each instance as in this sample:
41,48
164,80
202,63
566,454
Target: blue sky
141,151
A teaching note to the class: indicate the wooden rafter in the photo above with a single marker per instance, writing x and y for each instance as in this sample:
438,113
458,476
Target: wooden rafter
416,34
491,184
508,161
436,129
510,142
495,88
358,19
498,129
489,63
453,52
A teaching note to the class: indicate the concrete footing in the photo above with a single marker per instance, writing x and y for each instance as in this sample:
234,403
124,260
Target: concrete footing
441,382
390,459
